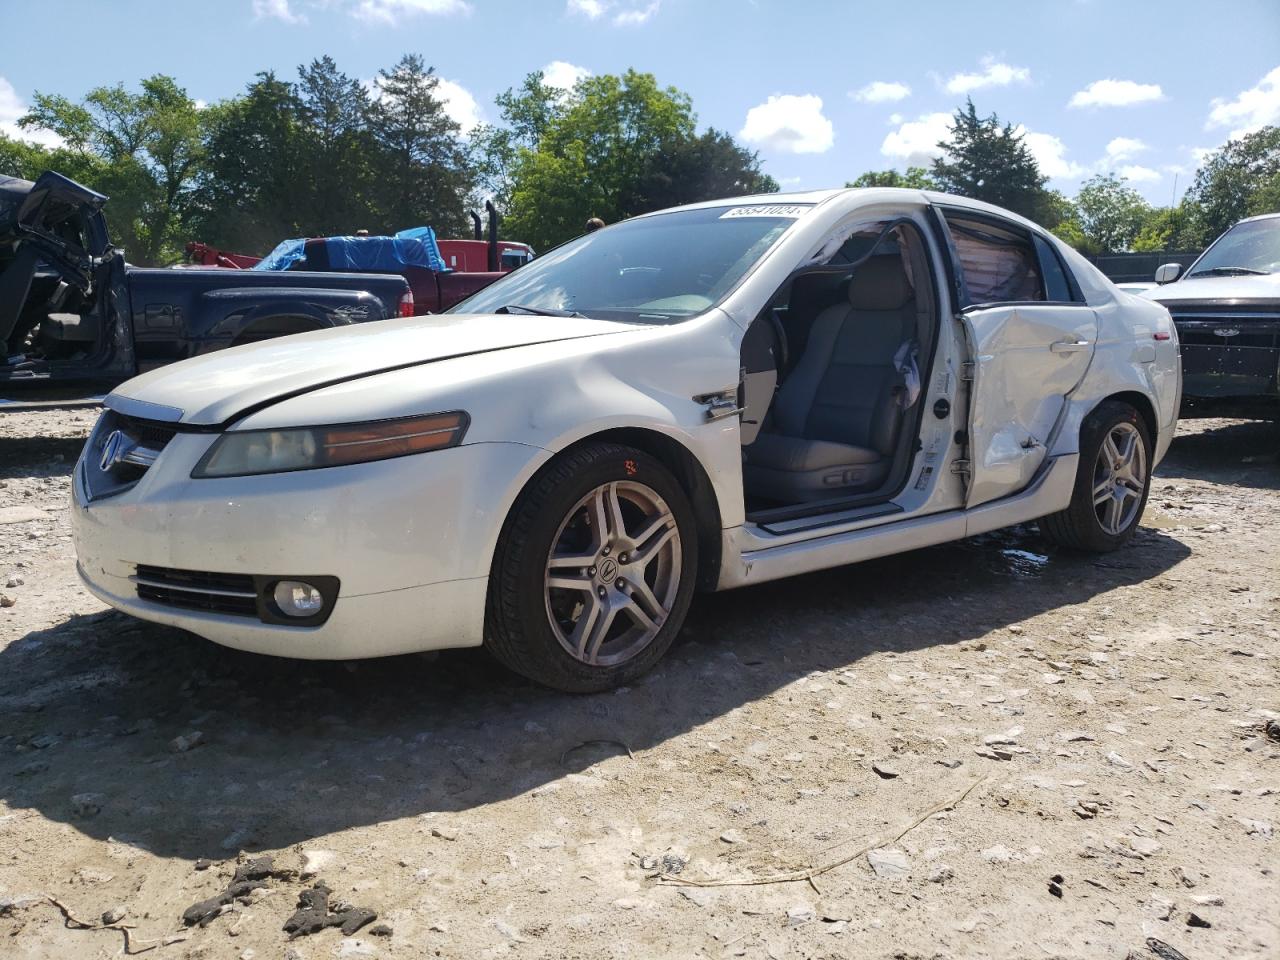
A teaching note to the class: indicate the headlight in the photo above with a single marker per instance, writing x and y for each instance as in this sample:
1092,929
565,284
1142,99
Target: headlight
247,452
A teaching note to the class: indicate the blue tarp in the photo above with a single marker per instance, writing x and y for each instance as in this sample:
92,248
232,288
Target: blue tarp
415,247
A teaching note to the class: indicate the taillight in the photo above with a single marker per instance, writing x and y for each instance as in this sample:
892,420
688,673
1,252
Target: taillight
406,304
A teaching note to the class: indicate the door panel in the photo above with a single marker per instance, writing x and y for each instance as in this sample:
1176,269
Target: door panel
1028,358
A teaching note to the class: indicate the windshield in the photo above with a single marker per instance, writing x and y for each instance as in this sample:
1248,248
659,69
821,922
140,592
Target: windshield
1252,247
657,269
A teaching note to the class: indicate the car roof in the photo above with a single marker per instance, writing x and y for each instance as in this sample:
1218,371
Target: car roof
870,194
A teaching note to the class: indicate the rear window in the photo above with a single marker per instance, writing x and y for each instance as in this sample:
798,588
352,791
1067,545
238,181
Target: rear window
999,265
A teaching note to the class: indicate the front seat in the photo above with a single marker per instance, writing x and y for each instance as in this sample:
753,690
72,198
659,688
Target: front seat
838,416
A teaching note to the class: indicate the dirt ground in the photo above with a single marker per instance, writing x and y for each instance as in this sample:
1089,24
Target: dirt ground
1106,716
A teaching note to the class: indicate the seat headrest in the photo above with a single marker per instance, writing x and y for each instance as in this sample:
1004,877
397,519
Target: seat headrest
880,284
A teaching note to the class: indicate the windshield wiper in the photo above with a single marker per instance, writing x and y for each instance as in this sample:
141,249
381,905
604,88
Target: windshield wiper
1228,272
538,311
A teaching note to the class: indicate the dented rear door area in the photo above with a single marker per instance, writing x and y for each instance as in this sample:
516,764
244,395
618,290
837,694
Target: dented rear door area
1028,359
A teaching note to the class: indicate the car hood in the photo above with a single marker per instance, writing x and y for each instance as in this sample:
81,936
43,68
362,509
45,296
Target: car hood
223,386
1203,289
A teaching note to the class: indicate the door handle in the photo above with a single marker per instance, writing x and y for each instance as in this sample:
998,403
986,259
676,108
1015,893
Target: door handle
1070,346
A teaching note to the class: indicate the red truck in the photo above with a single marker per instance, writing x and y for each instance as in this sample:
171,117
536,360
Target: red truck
468,265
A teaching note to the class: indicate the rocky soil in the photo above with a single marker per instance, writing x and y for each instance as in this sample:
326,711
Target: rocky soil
1091,732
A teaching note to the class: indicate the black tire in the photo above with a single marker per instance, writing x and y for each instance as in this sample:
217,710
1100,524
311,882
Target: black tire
1079,527
518,627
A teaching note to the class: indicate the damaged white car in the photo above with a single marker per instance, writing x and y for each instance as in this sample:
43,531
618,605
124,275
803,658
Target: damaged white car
703,398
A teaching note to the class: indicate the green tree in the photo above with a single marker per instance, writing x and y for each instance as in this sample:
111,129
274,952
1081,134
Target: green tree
252,191
987,160
337,149
150,146
421,171
526,114
613,147
1111,214
916,178
1233,183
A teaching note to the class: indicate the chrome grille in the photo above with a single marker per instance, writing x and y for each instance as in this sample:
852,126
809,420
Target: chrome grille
120,451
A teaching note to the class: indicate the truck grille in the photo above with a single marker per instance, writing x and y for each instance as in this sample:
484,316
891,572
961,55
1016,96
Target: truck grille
1228,352
231,593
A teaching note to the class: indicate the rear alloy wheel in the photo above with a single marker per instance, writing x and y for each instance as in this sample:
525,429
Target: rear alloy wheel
594,570
1112,482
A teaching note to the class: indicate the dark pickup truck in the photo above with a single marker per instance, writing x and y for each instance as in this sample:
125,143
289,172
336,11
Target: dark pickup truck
72,309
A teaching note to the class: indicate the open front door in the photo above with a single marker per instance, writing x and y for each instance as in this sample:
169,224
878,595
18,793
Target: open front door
1031,342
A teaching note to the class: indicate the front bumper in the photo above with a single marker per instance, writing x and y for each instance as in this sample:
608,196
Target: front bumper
410,541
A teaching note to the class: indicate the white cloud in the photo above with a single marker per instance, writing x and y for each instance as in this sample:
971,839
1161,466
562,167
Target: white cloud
916,141
459,104
624,13
993,74
1124,148
1251,110
392,11
276,10
1051,155
12,109
564,75
789,123
1137,174
881,91
636,15
1116,93
895,119
591,9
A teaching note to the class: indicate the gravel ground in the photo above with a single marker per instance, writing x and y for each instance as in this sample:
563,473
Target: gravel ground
1103,720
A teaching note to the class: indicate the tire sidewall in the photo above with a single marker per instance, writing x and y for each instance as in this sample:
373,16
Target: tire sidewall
551,503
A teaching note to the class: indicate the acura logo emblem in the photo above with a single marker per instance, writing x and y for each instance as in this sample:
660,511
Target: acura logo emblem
1227,332
608,570
113,451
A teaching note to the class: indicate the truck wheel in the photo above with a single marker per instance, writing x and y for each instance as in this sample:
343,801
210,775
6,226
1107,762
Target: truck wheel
594,571
1112,482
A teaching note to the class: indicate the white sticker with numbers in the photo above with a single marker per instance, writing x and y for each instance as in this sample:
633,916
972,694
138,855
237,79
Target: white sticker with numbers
789,210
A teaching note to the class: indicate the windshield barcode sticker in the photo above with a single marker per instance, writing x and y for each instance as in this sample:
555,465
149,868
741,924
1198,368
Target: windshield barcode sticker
791,210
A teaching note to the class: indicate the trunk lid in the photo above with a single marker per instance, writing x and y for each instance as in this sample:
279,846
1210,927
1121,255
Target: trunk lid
219,387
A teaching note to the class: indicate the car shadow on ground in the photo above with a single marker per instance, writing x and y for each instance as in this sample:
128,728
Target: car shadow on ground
295,750
1242,453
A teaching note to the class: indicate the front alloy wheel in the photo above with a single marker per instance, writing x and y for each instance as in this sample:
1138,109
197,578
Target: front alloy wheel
613,573
594,570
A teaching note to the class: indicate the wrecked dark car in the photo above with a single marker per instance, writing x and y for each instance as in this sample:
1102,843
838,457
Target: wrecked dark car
1226,308
72,309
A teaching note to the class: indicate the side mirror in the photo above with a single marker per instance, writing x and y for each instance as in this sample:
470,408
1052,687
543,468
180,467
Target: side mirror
1168,272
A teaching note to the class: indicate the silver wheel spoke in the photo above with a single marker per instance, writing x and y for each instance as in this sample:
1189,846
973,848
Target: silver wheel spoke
593,636
641,618
643,598
1110,451
645,554
1127,449
582,561
1102,491
1112,521
651,528
570,581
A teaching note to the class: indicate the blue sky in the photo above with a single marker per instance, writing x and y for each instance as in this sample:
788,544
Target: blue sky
824,90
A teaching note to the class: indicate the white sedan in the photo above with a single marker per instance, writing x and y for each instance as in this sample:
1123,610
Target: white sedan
703,398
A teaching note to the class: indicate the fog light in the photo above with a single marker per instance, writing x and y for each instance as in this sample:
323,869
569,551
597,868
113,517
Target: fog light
297,599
